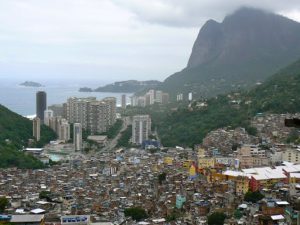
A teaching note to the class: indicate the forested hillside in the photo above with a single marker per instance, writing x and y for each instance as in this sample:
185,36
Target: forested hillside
15,131
188,126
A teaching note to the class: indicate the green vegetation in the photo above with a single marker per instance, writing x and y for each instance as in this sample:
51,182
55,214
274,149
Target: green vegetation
45,195
15,132
18,129
129,86
162,178
294,137
237,214
10,157
85,133
175,214
280,93
186,126
46,136
136,213
114,130
216,218
225,67
124,140
3,203
171,217
253,196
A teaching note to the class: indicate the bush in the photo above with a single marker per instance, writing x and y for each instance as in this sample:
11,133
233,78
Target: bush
253,196
216,218
161,177
136,213
3,203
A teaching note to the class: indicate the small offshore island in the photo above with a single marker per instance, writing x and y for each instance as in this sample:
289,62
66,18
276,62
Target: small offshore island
31,84
85,89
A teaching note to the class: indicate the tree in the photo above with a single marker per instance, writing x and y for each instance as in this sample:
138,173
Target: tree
216,218
237,214
253,196
45,195
136,213
3,203
171,217
162,177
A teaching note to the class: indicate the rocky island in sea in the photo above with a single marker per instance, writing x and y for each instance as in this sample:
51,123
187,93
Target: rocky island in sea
85,89
31,84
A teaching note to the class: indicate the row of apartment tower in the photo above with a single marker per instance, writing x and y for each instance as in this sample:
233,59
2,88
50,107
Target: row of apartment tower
61,127
151,97
94,115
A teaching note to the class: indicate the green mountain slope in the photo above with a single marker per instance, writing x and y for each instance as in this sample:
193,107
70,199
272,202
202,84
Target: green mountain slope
278,94
245,48
15,131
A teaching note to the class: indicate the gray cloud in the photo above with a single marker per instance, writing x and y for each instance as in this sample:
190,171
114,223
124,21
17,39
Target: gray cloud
193,13
119,39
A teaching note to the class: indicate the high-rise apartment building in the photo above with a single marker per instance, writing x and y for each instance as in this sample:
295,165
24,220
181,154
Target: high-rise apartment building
98,117
151,97
165,98
123,102
36,127
61,127
77,110
57,109
141,128
94,115
41,104
158,96
48,114
64,130
179,97
77,136
53,123
190,96
111,113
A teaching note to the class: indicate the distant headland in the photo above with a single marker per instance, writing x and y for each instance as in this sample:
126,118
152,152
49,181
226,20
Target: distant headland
129,86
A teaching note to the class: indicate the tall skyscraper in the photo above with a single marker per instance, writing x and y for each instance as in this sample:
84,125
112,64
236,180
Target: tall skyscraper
36,127
41,104
141,128
77,136
123,101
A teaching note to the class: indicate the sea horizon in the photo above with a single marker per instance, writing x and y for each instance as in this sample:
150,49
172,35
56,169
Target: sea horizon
22,100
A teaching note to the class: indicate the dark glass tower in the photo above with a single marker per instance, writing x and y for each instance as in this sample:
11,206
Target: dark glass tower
41,104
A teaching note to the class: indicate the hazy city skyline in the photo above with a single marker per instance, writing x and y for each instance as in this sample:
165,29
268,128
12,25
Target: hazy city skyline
113,39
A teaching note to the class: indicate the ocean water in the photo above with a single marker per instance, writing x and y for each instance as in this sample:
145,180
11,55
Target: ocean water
22,100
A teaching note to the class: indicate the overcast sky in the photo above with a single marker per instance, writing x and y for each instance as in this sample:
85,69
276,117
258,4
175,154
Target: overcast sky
109,39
